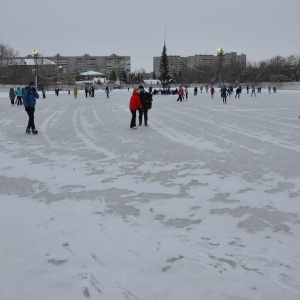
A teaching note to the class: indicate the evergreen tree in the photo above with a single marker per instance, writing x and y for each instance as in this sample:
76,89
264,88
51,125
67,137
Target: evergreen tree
113,76
123,76
164,68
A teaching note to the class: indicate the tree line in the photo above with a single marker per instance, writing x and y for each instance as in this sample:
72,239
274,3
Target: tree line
275,69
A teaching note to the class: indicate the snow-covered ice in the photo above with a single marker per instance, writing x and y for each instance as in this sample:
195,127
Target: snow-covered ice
202,204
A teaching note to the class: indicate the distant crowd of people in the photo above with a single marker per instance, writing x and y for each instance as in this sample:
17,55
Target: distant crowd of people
140,99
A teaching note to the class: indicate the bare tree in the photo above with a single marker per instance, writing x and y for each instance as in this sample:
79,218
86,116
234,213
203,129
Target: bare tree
7,58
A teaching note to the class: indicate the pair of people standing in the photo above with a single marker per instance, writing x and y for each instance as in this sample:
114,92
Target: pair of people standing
141,101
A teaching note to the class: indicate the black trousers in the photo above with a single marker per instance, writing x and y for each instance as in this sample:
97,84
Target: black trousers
30,112
19,100
133,118
141,113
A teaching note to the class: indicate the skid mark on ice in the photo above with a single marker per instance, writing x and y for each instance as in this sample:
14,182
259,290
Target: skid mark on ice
47,123
128,295
87,138
265,121
234,129
289,281
91,283
183,137
57,262
97,259
105,130
12,118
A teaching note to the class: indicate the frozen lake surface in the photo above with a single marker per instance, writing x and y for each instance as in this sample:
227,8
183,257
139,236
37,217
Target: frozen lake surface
202,204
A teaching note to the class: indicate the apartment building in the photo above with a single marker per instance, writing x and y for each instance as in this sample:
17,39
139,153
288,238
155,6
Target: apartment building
181,64
176,64
86,62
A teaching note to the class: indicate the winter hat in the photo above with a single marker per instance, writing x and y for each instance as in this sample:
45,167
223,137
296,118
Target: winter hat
136,89
141,87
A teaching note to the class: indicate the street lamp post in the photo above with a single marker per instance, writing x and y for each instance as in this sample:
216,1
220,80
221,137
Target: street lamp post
86,62
57,67
220,54
35,55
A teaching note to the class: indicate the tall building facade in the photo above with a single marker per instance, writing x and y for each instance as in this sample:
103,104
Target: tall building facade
86,62
176,64
181,64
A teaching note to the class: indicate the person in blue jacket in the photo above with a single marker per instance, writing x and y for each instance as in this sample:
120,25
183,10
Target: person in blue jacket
29,100
19,96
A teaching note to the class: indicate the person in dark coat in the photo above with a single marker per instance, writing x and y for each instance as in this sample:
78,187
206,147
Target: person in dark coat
12,96
107,92
212,91
29,100
253,91
238,92
196,91
134,105
44,93
224,93
146,101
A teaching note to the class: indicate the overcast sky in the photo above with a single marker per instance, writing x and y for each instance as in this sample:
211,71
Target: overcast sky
259,28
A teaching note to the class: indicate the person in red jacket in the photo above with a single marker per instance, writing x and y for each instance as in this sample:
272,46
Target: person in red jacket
134,105
212,91
180,94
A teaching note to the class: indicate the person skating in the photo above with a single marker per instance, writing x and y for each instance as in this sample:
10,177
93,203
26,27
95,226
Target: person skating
253,91
196,91
134,105
107,92
75,91
180,94
29,101
212,92
186,90
44,93
19,96
224,93
146,101
12,96
238,92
